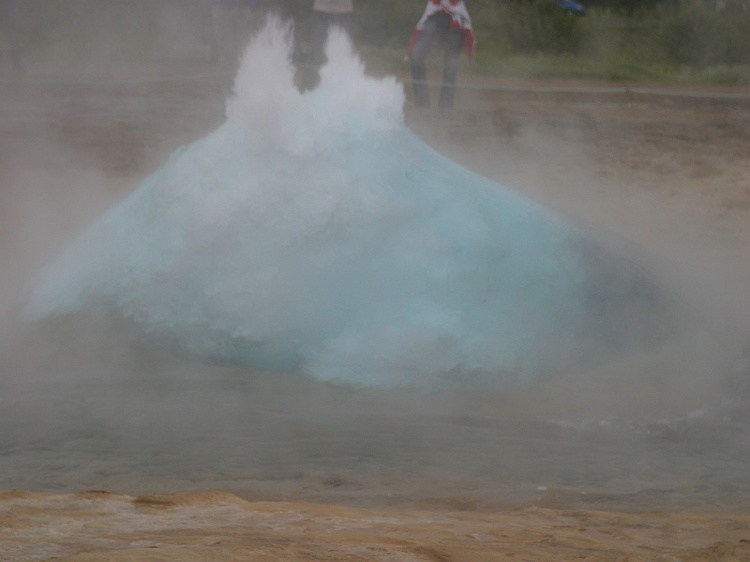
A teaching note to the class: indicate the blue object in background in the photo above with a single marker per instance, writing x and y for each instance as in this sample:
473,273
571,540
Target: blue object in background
572,8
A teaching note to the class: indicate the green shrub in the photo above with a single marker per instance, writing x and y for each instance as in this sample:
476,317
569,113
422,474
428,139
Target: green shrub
699,36
542,27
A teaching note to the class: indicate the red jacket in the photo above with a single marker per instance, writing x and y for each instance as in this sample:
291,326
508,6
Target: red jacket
460,19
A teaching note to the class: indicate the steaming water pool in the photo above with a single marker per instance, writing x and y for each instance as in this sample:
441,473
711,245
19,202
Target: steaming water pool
265,436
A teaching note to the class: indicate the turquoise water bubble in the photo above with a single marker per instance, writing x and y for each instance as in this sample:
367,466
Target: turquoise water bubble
316,234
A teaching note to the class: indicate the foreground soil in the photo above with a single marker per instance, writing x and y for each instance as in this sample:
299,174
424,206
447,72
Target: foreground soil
669,173
100,526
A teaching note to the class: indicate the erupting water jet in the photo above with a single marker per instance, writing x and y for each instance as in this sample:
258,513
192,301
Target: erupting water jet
316,234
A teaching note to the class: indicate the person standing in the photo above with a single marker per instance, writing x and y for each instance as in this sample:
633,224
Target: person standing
445,24
8,29
310,55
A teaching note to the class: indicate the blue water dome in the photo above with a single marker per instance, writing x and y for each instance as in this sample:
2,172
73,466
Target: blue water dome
315,234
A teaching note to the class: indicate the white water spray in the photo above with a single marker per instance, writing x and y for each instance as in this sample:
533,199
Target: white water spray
315,234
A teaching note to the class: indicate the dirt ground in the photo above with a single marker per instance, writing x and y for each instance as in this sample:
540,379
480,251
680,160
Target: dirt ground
99,526
670,173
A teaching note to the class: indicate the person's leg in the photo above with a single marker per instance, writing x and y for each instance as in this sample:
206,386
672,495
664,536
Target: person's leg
318,38
344,21
454,42
255,14
425,43
312,55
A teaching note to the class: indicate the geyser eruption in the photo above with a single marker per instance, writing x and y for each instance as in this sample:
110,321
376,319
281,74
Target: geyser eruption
316,234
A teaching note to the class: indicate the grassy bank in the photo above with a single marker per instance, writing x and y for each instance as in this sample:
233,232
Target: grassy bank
669,41
689,42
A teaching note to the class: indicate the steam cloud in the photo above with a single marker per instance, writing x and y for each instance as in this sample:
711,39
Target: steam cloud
316,234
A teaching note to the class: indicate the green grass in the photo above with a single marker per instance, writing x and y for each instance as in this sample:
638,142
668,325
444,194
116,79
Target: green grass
516,38
616,68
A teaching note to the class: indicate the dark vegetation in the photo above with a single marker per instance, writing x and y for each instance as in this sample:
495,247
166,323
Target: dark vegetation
699,40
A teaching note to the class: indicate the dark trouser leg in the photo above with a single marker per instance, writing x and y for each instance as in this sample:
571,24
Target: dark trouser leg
453,47
344,21
313,57
316,56
309,53
419,78
425,43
